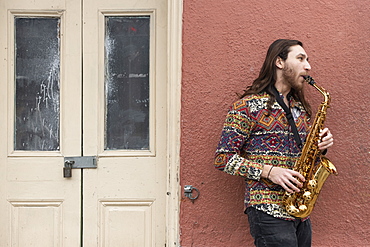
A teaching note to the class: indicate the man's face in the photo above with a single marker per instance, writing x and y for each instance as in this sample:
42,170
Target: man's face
295,67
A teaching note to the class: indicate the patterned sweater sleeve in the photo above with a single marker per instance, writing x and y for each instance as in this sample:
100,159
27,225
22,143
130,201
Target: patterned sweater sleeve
228,157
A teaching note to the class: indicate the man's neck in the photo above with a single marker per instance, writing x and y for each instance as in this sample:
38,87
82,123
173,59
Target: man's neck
283,89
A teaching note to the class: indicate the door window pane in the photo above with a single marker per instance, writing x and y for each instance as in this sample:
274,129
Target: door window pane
37,95
127,82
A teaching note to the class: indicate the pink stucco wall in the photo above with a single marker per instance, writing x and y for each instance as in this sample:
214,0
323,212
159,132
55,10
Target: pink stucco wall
224,44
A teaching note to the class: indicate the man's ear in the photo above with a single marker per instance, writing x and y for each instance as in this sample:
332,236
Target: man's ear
279,63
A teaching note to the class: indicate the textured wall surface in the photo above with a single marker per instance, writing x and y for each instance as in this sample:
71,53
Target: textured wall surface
224,44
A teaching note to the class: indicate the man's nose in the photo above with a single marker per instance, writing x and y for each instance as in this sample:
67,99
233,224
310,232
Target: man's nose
307,66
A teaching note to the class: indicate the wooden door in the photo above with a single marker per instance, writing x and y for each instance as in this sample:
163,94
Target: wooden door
40,122
125,107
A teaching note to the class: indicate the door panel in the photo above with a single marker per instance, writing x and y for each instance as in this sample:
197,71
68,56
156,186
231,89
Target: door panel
40,122
125,76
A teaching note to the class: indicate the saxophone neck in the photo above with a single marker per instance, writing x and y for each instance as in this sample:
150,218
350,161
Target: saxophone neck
322,90
324,93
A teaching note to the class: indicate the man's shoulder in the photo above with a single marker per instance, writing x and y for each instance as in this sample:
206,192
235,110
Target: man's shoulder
250,100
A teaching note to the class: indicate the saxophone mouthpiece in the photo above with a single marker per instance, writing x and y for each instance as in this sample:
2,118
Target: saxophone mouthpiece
309,79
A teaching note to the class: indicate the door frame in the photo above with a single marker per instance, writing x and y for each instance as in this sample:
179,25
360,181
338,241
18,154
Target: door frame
175,12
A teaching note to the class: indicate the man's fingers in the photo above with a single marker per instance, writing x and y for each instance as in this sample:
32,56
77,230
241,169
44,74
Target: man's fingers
298,175
286,188
288,179
292,186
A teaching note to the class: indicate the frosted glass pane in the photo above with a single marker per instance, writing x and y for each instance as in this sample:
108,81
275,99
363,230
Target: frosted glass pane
37,69
127,82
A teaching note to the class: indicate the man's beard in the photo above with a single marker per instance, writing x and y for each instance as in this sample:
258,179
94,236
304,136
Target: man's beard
291,79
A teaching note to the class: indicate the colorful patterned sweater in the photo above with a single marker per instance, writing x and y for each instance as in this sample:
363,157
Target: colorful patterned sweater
253,136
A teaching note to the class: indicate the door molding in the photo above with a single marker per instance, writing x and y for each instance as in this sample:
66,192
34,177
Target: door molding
175,11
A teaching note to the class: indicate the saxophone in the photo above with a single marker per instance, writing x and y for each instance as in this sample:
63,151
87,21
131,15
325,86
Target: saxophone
300,204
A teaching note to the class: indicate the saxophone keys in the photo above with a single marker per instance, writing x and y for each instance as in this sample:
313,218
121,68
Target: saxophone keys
312,184
307,196
302,208
292,210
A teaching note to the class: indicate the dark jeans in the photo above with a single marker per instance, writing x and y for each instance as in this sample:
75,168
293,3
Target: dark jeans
269,231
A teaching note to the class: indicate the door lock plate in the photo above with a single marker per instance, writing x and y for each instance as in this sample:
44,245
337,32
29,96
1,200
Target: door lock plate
80,162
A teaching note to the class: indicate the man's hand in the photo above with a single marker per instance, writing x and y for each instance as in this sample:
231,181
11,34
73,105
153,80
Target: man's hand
326,139
290,180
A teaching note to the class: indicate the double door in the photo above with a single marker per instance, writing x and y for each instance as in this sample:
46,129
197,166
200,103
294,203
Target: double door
83,123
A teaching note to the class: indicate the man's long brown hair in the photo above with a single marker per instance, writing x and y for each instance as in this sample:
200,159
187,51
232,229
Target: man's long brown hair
267,76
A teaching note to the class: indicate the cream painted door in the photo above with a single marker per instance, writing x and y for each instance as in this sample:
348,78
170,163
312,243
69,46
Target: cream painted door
85,78
125,106
40,109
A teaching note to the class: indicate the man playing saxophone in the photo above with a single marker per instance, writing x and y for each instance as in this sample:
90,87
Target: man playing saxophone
259,143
